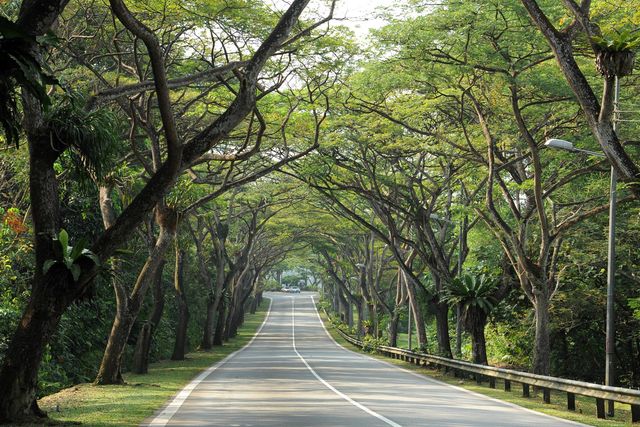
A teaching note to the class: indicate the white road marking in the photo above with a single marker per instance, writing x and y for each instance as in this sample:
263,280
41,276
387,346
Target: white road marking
325,383
169,411
434,381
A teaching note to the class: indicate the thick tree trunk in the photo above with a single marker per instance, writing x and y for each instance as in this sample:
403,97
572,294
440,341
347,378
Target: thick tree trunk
19,374
110,371
542,346
478,321
417,315
458,331
442,329
214,304
51,294
183,308
236,321
219,332
345,308
254,305
231,314
360,309
393,329
209,324
145,338
111,366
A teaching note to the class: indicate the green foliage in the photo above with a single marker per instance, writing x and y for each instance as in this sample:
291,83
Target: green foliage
69,256
370,343
92,135
472,291
618,40
634,303
22,69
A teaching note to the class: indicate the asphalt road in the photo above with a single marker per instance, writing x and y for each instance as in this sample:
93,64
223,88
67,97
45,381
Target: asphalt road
294,374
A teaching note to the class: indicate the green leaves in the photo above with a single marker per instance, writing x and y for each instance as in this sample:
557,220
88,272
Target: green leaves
69,256
473,291
634,303
618,40
21,68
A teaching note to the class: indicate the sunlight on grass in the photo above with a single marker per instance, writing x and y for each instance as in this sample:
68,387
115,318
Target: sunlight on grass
130,404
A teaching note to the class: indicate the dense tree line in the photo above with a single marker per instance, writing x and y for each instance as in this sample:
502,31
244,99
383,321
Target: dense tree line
166,163
150,113
439,154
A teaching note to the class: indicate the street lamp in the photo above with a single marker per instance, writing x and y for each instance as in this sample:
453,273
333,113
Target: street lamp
611,266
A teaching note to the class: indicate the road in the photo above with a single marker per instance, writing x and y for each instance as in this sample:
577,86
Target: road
294,374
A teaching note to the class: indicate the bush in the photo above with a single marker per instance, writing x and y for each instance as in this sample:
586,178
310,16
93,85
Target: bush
370,343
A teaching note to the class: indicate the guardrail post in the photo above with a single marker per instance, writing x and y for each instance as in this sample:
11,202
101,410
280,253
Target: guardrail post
461,370
600,408
571,401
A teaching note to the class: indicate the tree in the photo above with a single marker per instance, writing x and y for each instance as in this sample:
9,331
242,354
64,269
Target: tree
598,115
477,296
55,290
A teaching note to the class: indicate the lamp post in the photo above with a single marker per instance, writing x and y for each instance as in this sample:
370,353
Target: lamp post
611,256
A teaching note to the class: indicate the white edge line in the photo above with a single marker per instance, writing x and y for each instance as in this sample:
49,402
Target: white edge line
326,384
169,411
433,380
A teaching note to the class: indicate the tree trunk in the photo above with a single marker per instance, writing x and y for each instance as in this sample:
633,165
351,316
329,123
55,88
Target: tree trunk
254,305
417,314
52,293
231,313
542,346
219,332
50,298
111,366
458,331
145,338
393,329
183,308
442,329
209,324
360,309
478,321
19,374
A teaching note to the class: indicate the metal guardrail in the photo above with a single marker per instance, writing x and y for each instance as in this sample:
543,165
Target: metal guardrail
601,393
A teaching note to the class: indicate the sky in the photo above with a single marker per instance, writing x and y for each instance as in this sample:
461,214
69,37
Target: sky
360,15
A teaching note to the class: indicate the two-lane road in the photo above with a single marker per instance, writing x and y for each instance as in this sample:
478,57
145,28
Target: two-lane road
294,374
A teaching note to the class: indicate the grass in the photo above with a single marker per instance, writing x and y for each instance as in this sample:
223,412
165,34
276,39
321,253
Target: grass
142,395
403,340
585,407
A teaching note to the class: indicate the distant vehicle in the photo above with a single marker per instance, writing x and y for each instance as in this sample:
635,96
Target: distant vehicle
284,289
294,289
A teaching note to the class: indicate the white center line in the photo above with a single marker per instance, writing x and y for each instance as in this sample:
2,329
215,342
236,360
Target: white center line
326,384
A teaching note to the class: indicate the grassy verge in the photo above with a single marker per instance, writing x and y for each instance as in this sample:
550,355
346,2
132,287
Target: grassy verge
130,404
585,407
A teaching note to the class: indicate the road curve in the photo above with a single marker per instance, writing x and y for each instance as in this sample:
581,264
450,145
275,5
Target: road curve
294,374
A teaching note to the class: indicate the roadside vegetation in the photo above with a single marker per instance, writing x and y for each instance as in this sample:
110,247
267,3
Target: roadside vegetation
142,395
585,407
164,163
